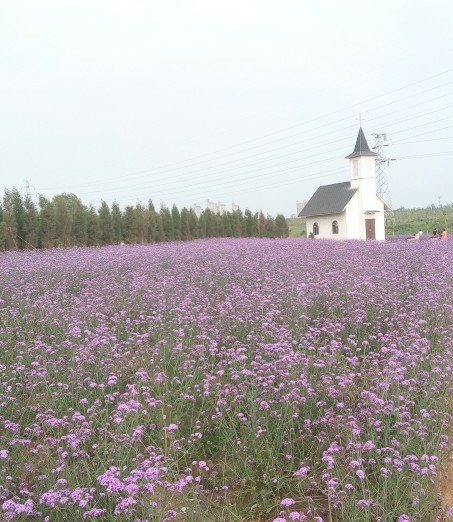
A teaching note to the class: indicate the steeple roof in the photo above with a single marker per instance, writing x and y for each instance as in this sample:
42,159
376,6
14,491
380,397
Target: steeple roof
361,147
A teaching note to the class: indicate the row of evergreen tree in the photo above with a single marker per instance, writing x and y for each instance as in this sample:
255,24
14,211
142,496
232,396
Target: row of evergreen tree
65,221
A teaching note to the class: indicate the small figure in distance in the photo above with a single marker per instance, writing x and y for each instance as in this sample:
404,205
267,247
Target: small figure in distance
435,235
444,233
415,237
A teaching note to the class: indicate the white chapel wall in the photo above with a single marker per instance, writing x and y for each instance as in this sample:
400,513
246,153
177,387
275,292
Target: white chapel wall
325,226
380,220
356,216
353,213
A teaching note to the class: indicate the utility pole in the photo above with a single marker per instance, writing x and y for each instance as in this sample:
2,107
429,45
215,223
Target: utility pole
382,162
443,214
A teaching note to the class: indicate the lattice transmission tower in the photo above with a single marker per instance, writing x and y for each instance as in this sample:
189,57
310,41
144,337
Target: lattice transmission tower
382,185
29,189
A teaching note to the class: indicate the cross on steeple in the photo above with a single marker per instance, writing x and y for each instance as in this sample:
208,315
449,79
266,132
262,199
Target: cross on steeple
360,119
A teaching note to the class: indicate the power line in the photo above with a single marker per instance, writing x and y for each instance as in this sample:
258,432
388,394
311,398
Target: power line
422,125
183,163
429,155
218,169
319,142
212,172
420,141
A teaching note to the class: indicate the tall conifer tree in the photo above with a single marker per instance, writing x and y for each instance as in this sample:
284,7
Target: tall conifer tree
193,224
176,218
167,223
105,224
116,223
46,224
281,226
9,222
185,224
93,229
127,225
151,215
30,223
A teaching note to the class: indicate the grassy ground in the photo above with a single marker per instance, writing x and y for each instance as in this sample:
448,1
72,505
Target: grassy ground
409,221
296,227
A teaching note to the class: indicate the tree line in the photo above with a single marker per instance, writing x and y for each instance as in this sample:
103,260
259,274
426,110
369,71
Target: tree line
64,221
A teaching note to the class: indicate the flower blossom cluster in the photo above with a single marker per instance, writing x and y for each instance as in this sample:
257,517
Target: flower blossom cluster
180,381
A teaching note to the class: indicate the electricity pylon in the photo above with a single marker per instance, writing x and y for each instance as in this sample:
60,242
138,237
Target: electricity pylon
382,185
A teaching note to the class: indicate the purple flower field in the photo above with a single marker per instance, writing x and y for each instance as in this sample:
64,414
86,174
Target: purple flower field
226,380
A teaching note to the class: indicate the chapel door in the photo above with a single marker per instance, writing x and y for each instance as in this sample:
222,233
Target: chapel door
370,229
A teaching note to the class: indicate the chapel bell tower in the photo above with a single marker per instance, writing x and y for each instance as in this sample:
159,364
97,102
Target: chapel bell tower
363,178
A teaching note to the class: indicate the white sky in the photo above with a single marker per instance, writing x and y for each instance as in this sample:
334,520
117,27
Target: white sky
246,101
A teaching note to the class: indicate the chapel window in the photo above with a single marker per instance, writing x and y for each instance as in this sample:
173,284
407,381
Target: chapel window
335,227
315,229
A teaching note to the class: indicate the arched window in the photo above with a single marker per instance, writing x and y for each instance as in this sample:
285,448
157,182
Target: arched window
315,229
334,227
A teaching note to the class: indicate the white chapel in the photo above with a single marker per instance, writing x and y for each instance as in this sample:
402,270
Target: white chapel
352,209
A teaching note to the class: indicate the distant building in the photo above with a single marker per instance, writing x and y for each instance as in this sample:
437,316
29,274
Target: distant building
197,209
352,209
216,208
221,208
300,205
210,205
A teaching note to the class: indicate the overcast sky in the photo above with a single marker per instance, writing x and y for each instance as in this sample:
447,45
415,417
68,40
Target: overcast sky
247,101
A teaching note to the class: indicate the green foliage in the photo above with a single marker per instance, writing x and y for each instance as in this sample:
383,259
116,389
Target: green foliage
261,224
185,224
128,225
30,223
152,224
167,224
10,225
176,218
62,220
65,221
105,224
79,218
93,229
193,224
19,212
46,223
160,235
2,229
296,227
116,223
237,221
251,222
409,221
270,230
211,228
281,226
140,223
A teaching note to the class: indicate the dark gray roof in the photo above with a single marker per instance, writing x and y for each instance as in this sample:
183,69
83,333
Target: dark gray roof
361,147
329,199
